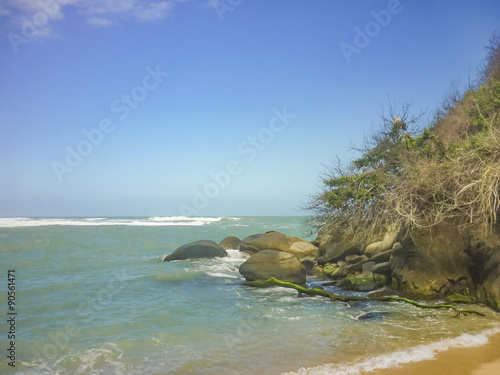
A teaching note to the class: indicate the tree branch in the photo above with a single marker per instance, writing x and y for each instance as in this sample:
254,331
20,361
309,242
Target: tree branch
335,297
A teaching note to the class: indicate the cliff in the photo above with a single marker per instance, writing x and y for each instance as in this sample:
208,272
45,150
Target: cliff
438,262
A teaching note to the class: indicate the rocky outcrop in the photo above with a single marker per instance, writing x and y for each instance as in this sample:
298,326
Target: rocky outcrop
347,261
435,262
334,247
278,241
430,261
230,243
198,249
273,263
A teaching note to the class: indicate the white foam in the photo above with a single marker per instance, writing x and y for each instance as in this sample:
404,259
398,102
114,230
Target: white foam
184,218
99,221
224,267
223,275
107,359
414,354
237,255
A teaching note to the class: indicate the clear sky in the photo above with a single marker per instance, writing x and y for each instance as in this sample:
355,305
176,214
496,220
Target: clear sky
214,108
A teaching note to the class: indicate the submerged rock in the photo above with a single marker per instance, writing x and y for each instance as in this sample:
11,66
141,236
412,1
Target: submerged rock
272,263
373,315
198,249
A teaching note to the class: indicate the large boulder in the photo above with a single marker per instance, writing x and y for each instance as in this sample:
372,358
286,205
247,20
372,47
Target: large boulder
484,253
273,263
280,242
198,249
430,261
230,243
489,291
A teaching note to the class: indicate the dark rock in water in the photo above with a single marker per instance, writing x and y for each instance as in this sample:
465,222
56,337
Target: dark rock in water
230,243
373,315
272,263
308,265
198,249
330,283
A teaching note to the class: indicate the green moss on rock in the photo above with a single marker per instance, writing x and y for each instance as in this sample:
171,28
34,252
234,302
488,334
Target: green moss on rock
458,298
330,270
363,282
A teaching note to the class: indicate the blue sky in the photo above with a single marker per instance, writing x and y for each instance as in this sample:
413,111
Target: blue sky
215,108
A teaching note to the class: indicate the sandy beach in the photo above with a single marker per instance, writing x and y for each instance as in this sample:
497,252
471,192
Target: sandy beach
481,360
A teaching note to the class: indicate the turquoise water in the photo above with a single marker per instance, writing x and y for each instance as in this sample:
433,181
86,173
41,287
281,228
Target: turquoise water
93,297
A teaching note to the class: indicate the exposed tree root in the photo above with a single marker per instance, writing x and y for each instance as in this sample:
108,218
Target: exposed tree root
334,297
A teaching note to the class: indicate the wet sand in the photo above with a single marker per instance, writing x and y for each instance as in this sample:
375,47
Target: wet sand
480,360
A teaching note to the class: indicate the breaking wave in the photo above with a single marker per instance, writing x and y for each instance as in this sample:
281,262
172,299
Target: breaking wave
100,221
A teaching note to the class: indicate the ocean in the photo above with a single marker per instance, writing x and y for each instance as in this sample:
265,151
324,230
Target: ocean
92,296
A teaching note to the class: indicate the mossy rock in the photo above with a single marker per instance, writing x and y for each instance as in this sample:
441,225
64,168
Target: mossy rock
458,298
363,282
330,270
334,271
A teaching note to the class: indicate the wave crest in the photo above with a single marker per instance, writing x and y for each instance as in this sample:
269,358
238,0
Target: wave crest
100,221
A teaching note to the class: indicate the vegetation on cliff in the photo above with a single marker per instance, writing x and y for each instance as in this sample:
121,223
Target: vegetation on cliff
411,176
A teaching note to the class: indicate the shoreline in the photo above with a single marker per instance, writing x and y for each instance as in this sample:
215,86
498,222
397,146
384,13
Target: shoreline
477,360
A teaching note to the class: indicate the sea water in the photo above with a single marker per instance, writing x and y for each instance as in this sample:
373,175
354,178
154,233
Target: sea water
92,296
